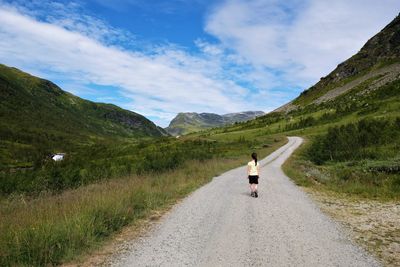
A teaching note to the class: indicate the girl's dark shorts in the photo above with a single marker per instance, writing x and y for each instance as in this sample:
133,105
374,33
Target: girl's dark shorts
253,179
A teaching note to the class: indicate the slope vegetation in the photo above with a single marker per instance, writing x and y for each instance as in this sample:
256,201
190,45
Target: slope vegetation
37,118
378,59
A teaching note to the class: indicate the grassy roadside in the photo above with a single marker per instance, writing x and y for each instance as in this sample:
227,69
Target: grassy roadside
370,211
53,229
330,178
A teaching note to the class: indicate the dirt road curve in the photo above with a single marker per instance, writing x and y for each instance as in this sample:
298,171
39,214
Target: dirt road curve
221,225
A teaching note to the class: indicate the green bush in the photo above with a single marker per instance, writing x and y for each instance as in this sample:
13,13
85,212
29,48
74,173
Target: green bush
354,141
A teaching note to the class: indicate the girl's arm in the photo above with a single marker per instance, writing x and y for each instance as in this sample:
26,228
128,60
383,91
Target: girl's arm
258,169
248,170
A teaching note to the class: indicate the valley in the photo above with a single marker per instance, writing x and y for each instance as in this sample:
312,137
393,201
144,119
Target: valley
120,167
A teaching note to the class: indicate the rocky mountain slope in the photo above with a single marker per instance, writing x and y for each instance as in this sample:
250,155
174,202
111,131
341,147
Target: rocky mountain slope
189,122
378,63
35,114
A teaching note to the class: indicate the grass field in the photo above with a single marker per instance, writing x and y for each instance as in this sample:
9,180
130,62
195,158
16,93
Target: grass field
50,229
349,178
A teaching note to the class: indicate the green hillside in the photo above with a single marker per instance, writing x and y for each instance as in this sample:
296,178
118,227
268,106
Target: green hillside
37,118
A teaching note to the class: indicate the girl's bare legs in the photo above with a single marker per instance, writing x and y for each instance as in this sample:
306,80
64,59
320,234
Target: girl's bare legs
253,188
255,192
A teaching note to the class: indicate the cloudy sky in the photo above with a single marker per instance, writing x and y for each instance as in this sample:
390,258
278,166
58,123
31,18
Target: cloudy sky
159,58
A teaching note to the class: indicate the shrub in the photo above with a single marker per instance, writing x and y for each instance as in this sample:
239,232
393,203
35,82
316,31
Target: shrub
355,140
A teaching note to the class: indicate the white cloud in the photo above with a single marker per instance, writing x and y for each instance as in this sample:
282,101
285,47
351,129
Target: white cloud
72,16
266,50
304,39
169,80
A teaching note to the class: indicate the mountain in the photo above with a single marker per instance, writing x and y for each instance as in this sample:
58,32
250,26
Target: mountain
37,113
241,116
189,122
378,61
376,67
350,120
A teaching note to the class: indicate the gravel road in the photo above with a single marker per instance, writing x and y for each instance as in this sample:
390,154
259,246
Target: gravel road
221,225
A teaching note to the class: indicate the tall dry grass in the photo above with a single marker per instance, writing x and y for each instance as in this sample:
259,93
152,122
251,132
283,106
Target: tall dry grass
52,229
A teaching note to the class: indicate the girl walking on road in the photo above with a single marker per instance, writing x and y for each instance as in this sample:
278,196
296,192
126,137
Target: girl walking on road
253,172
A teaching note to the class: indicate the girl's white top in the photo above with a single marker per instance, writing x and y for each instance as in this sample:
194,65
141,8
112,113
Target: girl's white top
253,167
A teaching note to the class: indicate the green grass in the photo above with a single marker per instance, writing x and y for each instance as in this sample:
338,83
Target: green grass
51,229
114,159
370,172
364,179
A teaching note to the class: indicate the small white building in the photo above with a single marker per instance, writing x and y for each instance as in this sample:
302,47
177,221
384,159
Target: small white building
58,156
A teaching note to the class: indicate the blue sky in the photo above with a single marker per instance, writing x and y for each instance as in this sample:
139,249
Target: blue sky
159,58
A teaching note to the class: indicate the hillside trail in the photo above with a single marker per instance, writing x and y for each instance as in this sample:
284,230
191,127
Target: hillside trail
221,225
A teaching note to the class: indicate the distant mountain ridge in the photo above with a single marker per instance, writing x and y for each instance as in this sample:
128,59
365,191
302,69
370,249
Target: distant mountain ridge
36,116
187,122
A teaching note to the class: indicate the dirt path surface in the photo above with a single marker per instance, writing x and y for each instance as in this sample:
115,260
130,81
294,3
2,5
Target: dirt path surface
221,225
